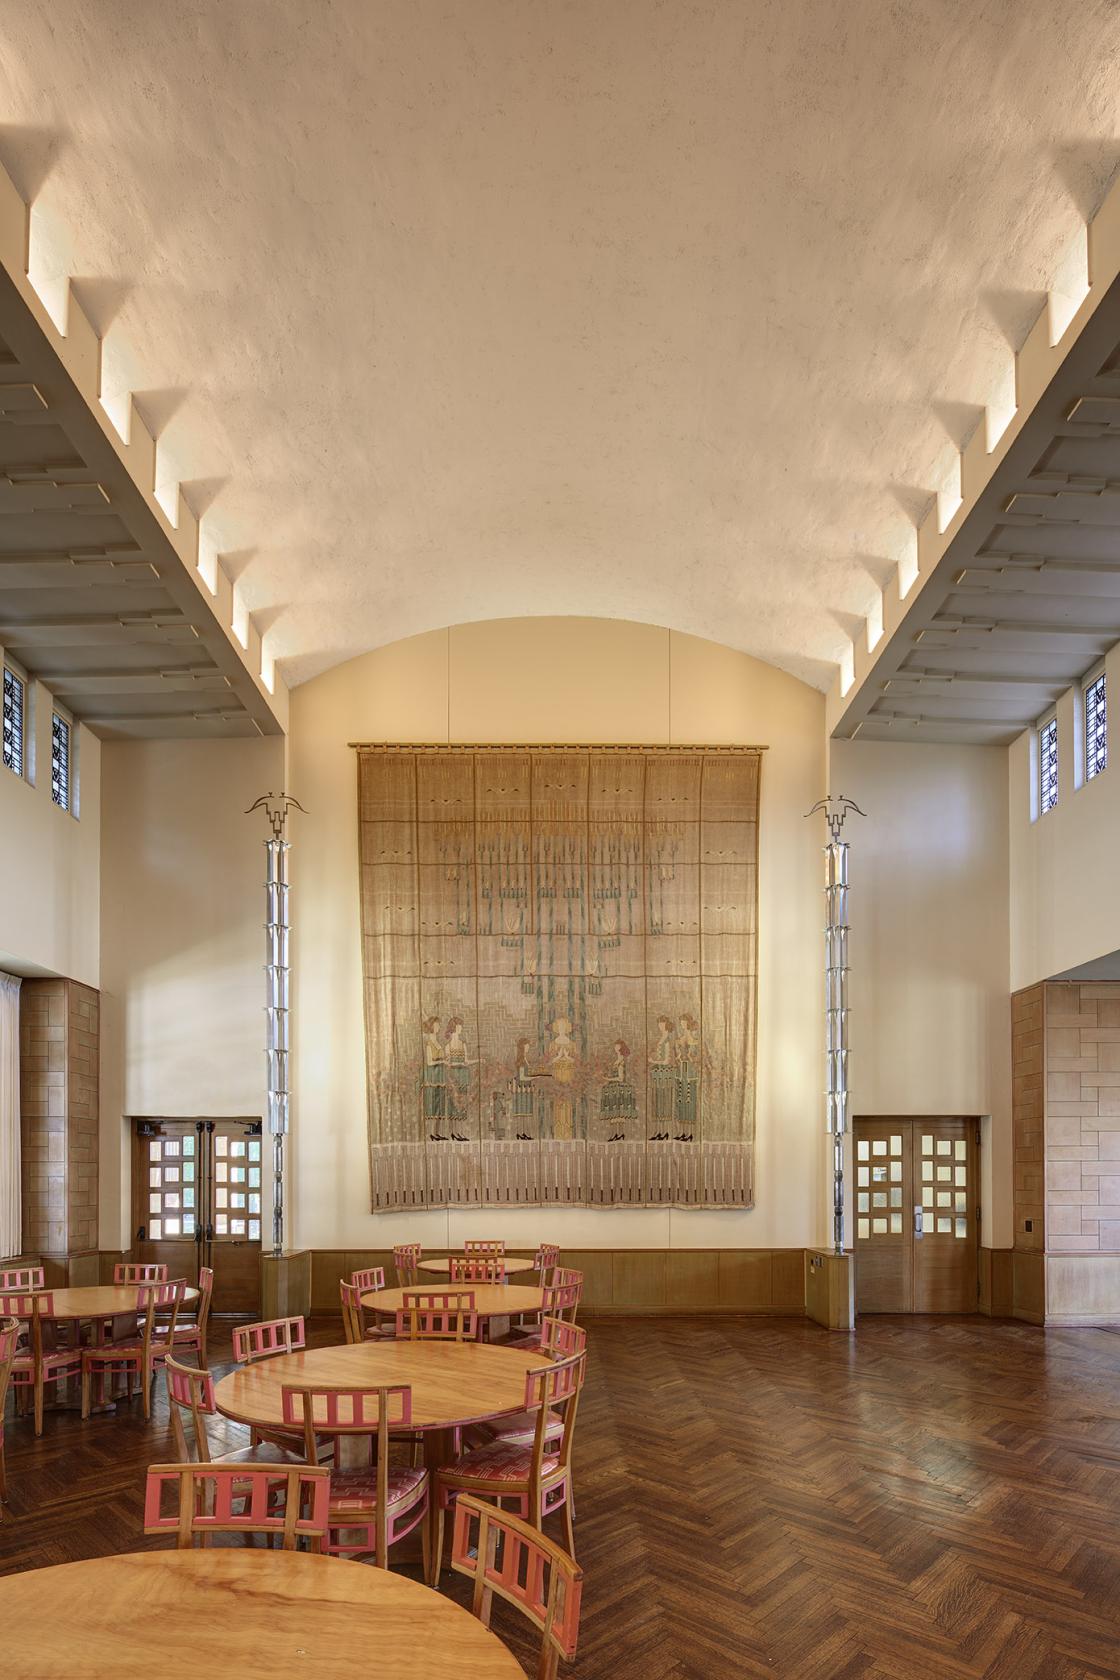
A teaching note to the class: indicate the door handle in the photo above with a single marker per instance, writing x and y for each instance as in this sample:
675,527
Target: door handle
918,1231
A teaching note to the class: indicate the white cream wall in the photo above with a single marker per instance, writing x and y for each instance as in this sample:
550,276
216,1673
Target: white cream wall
930,1023
182,1023
51,860
554,680
1065,908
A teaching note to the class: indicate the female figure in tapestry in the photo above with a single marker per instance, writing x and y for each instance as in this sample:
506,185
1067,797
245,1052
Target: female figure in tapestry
617,1101
688,1073
458,1070
662,1079
434,1077
521,1090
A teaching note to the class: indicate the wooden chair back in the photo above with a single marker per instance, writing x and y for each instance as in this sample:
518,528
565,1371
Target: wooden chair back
205,1296
268,1338
353,1318
373,1277
546,1258
369,1412
292,1500
159,1303
23,1277
551,1390
561,1300
136,1271
406,1260
438,1315
479,1245
32,1306
190,1394
478,1268
504,1555
560,1340
9,1336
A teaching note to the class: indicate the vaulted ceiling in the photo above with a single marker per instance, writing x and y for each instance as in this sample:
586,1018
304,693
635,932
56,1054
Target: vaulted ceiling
451,311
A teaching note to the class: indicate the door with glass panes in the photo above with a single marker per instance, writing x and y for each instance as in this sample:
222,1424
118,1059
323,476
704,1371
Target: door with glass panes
197,1195
917,1207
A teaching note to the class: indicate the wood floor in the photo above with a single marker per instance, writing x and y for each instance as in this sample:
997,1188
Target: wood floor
758,1497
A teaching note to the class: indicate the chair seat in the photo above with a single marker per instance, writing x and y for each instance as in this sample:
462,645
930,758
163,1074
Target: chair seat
24,1364
356,1490
521,1428
501,1461
130,1348
265,1453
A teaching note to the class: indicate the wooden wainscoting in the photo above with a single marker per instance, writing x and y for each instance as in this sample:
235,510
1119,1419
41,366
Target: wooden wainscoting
633,1280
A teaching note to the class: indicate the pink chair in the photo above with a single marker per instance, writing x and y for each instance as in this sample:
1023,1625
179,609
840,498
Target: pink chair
23,1278
192,1336
477,1268
537,1478
503,1555
560,1300
138,1356
559,1340
38,1364
9,1335
267,1339
437,1315
378,1504
290,1500
136,1271
484,1246
373,1277
190,1395
546,1258
406,1260
354,1323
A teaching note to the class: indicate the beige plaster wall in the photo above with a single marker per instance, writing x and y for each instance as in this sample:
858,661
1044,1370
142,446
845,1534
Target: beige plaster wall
50,859
931,1012
568,679
182,1023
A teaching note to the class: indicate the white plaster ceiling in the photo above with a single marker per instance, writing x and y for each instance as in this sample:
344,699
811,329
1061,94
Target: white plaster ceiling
671,311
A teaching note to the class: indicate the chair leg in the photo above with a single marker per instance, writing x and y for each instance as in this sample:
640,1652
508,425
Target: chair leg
436,1558
147,1376
569,1524
85,1390
425,1536
39,1388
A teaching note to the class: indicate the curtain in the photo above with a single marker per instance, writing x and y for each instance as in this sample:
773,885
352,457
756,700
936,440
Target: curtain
11,1234
560,962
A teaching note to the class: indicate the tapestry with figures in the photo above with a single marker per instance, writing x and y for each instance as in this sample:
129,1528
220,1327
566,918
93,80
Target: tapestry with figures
560,957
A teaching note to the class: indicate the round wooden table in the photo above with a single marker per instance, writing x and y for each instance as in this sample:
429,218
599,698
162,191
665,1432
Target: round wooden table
491,1300
260,1615
106,1300
452,1383
512,1262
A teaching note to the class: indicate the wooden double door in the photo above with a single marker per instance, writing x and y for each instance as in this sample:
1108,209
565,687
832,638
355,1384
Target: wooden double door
197,1194
917,1206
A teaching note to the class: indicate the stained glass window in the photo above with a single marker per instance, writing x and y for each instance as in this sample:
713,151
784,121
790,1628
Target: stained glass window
1096,728
60,761
1048,765
13,721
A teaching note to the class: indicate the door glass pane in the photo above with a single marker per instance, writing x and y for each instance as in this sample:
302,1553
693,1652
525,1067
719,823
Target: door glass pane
863,1150
864,1229
254,1230
171,1226
237,1227
154,1204
237,1199
220,1145
927,1195
878,1175
220,1171
154,1149
170,1146
171,1198
171,1174
927,1143
220,1224
896,1145
188,1172
188,1146
255,1177
927,1170
188,1198
944,1198
254,1149
863,1202
944,1175
896,1171
944,1146
961,1149
878,1146
961,1202
896,1196
879,1227
944,1226
237,1146
188,1224
962,1228
864,1175
962,1175
879,1199
896,1224
237,1175
155,1177
255,1202
221,1196
155,1229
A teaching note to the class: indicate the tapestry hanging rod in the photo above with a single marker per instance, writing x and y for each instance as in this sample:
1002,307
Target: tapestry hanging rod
547,747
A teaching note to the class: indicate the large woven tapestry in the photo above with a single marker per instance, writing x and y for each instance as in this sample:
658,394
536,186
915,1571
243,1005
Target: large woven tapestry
560,961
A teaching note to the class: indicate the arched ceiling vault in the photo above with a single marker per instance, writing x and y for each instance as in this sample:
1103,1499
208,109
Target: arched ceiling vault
448,312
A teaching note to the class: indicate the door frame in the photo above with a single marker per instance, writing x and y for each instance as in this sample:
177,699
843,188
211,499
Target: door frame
974,1138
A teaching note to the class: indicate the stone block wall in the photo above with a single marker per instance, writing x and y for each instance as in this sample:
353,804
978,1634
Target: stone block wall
59,1021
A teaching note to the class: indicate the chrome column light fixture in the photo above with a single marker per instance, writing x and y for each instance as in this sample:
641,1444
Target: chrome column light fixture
277,971
836,994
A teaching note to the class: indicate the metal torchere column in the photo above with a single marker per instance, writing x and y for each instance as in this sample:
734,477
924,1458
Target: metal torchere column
836,997
277,996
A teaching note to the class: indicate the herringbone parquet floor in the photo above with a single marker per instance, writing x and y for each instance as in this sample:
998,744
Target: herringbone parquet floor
928,1498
